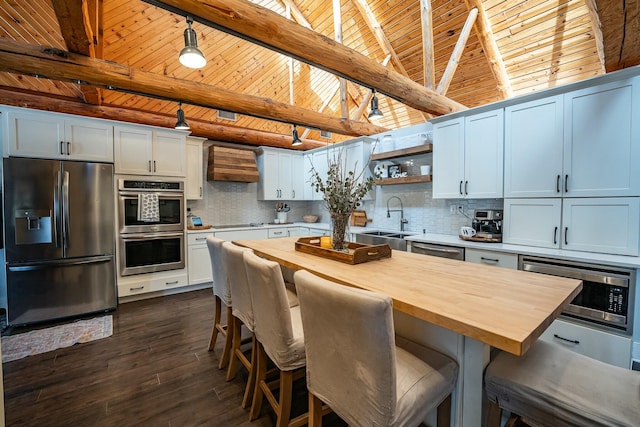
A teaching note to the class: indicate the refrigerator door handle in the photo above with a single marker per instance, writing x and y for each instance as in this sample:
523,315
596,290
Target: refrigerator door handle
60,263
56,208
65,209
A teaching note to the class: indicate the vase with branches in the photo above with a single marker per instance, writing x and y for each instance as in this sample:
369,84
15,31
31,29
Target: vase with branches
342,191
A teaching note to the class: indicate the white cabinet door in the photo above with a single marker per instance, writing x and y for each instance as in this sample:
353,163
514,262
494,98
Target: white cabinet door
448,159
298,177
89,140
269,175
357,160
35,134
483,155
53,136
496,259
609,348
195,177
198,259
321,165
533,148
169,153
532,222
602,140
133,150
260,233
604,225
308,190
285,187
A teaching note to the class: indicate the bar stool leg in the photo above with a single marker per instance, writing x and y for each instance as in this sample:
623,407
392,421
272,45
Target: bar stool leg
236,325
216,322
226,353
261,375
315,411
286,395
251,381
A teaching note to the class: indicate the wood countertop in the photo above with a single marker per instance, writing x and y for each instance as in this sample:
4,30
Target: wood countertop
504,308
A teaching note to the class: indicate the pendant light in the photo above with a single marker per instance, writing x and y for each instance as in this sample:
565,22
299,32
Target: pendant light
181,123
296,140
191,56
375,112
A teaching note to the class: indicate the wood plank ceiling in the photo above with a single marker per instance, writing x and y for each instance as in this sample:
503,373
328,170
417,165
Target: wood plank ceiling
540,44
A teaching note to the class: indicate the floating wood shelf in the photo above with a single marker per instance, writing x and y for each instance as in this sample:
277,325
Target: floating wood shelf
404,152
404,180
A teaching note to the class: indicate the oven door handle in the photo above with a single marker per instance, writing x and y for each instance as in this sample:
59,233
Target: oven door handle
126,237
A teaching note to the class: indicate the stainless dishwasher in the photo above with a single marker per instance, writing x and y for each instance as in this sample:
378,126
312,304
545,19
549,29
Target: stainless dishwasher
443,251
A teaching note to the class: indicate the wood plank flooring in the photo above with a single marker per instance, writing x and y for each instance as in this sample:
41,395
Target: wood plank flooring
154,371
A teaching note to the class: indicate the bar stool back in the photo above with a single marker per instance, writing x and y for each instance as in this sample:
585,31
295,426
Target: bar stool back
222,295
278,330
357,365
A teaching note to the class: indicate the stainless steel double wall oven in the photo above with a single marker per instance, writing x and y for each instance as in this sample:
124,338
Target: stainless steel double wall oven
151,246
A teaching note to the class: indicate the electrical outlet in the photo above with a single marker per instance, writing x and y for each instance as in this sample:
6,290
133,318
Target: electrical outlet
452,209
460,209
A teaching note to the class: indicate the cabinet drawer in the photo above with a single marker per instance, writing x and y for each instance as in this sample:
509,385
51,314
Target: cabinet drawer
278,232
198,238
499,259
169,282
134,288
606,347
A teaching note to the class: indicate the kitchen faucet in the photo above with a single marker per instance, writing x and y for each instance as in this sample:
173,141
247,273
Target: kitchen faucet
403,221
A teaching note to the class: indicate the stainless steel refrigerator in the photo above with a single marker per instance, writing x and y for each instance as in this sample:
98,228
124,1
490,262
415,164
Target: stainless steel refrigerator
59,239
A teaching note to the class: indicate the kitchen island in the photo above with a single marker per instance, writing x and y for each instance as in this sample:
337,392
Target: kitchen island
473,307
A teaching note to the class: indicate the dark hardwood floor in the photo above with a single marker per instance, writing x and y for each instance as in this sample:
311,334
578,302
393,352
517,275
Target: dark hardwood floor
154,371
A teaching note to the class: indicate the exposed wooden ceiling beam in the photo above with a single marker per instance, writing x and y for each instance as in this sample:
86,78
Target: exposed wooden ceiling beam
75,26
56,64
452,65
597,30
620,23
266,28
202,128
428,52
490,47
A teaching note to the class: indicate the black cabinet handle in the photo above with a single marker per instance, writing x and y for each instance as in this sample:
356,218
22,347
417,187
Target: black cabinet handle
566,339
466,183
490,259
61,148
461,188
154,166
566,230
68,148
558,184
566,184
555,236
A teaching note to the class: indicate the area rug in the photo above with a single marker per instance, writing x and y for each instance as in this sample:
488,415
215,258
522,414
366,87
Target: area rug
48,339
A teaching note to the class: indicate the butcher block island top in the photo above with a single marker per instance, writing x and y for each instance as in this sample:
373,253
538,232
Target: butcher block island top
504,308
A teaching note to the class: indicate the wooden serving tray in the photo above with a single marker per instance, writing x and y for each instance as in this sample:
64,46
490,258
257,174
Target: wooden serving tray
199,227
481,239
358,252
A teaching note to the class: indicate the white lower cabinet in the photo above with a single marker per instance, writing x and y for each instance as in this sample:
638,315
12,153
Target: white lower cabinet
254,234
275,233
606,347
600,224
498,259
145,283
198,259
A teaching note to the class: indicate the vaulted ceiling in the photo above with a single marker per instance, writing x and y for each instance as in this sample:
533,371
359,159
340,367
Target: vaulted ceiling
425,57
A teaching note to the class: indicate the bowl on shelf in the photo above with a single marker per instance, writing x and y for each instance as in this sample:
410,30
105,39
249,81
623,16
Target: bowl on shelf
310,218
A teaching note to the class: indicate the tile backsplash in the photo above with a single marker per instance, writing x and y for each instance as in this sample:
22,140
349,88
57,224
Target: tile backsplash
226,203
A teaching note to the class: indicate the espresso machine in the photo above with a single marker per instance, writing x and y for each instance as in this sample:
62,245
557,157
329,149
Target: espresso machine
488,224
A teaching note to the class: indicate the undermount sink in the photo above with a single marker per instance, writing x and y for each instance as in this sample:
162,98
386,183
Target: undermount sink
395,240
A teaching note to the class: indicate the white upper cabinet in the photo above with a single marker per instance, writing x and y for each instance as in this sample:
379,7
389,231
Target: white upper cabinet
195,171
580,144
280,175
468,157
57,136
533,138
602,140
143,151
597,224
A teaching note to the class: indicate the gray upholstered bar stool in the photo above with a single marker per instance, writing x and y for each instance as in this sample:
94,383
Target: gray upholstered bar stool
242,314
360,368
222,295
550,386
278,331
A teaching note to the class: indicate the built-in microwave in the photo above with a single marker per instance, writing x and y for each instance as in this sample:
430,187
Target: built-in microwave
170,206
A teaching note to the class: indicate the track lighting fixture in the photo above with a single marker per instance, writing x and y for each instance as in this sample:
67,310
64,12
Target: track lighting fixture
191,56
375,112
181,123
296,140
